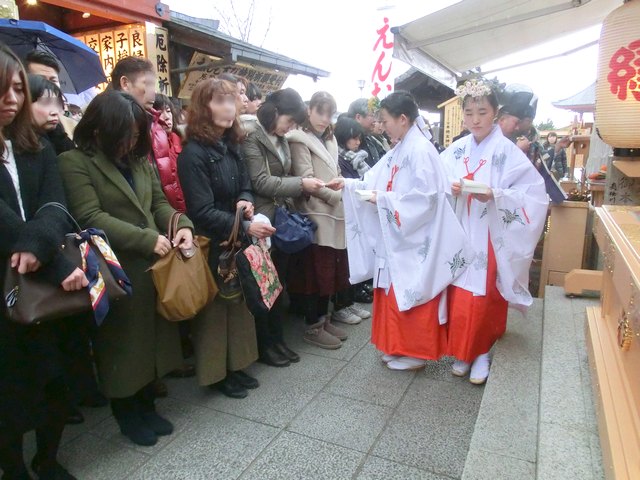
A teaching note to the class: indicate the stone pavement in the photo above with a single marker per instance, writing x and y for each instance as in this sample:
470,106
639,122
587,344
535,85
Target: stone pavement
343,415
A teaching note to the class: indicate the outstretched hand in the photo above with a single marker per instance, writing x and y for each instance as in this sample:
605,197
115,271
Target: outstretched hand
336,184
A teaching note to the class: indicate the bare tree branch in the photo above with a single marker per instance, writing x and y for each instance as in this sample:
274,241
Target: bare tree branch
237,23
266,32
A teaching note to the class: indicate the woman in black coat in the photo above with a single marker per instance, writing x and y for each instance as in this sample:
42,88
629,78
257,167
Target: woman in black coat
215,183
33,393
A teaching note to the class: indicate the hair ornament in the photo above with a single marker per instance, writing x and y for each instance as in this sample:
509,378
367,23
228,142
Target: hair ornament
474,88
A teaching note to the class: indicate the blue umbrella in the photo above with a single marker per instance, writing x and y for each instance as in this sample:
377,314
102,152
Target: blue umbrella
80,67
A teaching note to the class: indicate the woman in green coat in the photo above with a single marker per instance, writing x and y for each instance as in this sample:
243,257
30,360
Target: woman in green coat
110,185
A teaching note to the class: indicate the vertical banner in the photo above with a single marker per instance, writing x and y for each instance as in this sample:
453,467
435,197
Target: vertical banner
112,45
381,78
136,41
159,55
107,53
121,39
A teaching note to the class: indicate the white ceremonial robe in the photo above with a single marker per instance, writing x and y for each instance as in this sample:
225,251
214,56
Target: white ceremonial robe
514,219
411,239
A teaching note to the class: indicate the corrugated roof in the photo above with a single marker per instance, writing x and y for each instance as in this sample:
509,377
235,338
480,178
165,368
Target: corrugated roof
583,101
243,51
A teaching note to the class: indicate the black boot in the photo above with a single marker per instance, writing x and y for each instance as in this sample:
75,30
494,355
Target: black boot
55,471
230,387
11,457
132,426
75,417
271,356
243,379
146,403
45,464
284,350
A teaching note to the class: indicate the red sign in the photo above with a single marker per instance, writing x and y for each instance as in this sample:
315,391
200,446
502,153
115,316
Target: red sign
379,75
624,77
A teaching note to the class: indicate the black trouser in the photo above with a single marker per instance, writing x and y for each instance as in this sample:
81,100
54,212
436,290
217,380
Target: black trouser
269,326
75,344
315,306
48,435
344,298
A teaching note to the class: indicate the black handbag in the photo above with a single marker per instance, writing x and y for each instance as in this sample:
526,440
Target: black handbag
294,231
226,275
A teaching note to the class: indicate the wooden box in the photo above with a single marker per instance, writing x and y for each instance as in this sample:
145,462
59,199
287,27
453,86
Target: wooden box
564,242
613,332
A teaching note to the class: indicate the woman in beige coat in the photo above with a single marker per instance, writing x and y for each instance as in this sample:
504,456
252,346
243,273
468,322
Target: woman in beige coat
321,270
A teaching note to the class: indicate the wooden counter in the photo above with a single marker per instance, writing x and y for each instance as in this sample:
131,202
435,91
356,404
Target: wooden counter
613,332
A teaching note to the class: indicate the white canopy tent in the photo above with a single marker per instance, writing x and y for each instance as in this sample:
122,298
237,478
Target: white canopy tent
472,33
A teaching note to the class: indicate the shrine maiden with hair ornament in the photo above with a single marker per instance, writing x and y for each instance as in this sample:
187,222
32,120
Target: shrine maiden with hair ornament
407,238
502,226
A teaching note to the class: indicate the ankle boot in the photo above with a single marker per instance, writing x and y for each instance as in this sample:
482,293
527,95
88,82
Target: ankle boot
317,335
271,356
333,330
284,350
132,426
147,408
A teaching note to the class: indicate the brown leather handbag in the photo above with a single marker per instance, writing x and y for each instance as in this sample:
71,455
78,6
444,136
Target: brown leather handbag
183,280
30,299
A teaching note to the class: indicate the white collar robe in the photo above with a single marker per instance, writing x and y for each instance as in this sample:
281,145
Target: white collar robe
412,239
514,219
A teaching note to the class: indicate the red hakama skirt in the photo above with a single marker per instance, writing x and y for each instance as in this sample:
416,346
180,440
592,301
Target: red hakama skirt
476,322
414,333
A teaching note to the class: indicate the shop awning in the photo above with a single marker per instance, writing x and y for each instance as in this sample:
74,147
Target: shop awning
472,33
213,42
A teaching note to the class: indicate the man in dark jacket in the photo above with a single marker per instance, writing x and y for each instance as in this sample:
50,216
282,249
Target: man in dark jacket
359,110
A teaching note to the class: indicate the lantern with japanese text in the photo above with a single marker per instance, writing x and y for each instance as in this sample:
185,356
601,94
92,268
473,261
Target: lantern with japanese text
618,88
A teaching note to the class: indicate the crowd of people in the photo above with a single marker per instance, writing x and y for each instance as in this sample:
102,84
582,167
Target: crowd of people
395,224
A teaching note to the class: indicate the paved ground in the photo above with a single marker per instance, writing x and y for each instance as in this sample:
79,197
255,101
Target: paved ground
343,415
335,415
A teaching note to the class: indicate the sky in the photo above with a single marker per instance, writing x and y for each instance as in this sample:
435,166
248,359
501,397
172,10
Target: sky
338,36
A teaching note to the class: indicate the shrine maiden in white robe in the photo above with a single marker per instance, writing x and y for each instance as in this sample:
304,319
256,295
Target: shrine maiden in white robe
412,239
514,218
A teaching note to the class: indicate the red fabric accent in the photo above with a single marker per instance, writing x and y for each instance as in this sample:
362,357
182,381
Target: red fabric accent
414,333
476,323
166,149
394,171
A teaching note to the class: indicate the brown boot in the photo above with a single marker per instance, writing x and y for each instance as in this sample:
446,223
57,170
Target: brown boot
333,330
316,335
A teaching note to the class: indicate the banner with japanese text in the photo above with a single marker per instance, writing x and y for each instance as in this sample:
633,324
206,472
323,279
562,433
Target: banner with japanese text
267,80
381,78
115,44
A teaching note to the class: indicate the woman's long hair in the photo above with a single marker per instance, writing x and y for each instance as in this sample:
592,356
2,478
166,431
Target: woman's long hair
201,126
107,125
323,102
21,131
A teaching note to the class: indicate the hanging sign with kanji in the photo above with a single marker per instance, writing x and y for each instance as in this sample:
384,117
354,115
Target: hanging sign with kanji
112,45
265,79
383,48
